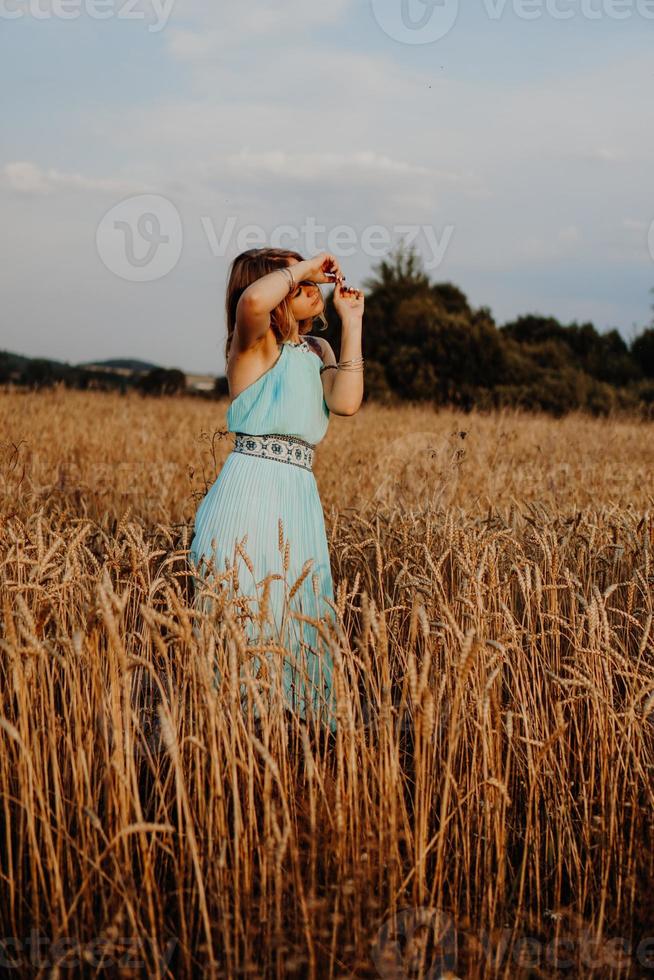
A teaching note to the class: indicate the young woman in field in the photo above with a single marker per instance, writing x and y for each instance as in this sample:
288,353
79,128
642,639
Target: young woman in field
283,384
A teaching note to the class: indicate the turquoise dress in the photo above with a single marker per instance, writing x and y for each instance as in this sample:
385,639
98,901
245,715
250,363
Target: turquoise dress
246,503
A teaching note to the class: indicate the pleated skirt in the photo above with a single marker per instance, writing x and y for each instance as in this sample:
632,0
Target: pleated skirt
272,511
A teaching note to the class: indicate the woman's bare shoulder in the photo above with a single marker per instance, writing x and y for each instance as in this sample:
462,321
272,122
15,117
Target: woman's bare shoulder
324,348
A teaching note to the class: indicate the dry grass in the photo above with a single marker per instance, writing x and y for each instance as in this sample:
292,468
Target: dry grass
494,764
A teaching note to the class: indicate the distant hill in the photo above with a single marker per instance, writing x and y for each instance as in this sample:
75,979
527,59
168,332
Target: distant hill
117,373
18,361
126,363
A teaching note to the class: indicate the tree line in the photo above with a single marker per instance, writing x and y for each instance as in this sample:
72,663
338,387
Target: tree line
41,372
424,342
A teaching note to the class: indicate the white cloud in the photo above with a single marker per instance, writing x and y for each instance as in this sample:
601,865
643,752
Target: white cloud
612,154
274,120
569,234
327,165
26,177
635,224
185,45
216,28
551,246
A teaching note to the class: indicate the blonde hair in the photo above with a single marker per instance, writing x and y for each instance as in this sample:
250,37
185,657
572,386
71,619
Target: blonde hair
245,269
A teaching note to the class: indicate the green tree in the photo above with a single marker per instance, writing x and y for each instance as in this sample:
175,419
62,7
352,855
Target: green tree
221,387
163,381
642,351
423,341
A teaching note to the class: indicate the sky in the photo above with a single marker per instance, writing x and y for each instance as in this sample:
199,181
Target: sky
146,143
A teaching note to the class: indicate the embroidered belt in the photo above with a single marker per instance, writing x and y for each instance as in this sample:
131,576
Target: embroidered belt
285,449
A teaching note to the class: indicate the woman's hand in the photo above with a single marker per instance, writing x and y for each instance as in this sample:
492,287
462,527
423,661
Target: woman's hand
323,267
348,302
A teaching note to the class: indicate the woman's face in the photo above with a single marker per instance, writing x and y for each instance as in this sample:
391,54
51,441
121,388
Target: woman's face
306,301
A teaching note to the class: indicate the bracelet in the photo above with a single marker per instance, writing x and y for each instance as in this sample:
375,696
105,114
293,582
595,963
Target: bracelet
291,280
335,367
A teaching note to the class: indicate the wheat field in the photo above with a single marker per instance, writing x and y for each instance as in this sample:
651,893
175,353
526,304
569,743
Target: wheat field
486,808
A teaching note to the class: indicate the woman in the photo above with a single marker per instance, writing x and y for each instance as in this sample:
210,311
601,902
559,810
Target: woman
283,385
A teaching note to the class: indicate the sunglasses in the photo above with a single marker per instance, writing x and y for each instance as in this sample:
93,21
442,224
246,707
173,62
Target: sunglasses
308,282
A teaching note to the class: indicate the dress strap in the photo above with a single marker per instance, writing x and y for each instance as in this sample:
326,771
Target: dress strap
307,343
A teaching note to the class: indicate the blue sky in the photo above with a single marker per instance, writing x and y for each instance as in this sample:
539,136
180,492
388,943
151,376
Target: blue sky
526,146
